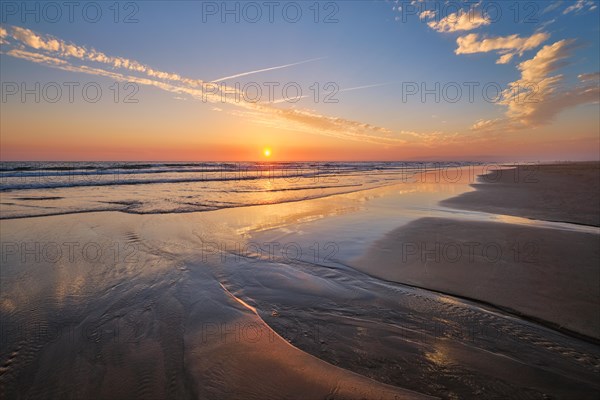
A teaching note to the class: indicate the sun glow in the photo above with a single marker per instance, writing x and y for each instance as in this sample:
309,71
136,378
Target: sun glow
267,152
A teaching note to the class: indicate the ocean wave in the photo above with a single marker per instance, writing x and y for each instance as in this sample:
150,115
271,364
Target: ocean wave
54,188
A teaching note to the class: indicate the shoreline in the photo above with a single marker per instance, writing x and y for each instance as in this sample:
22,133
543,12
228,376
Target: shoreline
508,311
532,288
201,284
549,192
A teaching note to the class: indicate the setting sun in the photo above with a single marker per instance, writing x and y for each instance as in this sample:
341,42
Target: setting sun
267,152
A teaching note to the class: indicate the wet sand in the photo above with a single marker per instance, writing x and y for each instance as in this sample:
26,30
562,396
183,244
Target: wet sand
548,274
199,305
137,310
558,192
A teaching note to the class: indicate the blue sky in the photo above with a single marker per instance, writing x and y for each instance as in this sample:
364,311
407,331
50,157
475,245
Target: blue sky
383,43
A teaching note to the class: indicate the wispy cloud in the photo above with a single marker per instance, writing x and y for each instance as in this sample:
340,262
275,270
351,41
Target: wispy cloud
374,85
591,77
508,46
368,86
553,6
50,51
536,98
60,48
427,14
580,5
460,21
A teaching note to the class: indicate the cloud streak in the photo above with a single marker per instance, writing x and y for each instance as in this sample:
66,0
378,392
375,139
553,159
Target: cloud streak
536,98
50,51
461,21
368,86
580,5
265,70
508,46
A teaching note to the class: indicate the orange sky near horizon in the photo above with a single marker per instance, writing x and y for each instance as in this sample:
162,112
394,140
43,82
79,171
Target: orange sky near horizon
355,76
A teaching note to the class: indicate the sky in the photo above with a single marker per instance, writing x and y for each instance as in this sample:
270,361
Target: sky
328,80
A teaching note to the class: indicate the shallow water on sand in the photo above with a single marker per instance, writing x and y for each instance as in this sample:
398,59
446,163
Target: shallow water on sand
53,188
235,302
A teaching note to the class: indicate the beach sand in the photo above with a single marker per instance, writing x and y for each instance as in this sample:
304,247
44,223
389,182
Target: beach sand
548,274
557,192
199,305
106,320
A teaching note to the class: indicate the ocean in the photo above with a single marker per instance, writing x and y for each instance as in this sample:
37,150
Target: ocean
52,188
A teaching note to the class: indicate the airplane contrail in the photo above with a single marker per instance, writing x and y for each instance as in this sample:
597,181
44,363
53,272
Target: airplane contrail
341,90
266,69
367,86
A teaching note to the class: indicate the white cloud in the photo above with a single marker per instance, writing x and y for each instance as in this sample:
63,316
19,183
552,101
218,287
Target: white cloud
427,14
50,51
461,21
580,5
535,99
35,57
591,77
59,47
552,7
508,46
